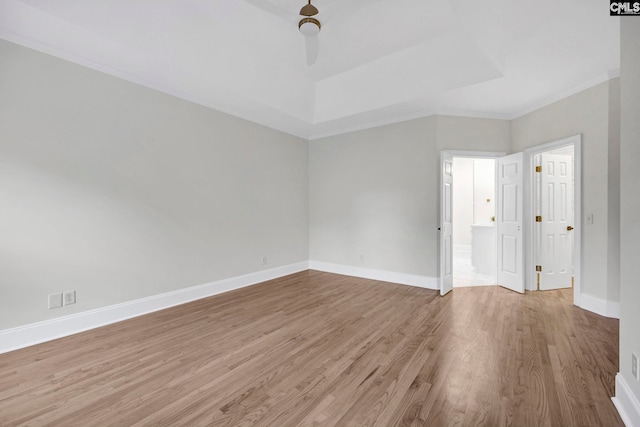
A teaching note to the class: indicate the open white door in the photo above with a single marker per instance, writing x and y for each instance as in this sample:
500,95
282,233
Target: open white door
446,223
509,220
556,222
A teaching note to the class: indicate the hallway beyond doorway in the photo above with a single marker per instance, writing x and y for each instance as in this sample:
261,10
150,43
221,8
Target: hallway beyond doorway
474,231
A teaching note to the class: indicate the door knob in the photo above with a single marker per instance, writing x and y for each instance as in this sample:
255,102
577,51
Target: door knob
569,228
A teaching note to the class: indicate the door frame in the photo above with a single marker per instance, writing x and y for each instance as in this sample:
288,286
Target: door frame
529,203
458,153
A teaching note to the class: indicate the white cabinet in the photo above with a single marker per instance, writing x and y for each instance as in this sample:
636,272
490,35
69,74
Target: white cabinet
483,248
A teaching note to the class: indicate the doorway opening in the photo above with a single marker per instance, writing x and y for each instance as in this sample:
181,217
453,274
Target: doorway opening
554,243
446,238
520,239
474,226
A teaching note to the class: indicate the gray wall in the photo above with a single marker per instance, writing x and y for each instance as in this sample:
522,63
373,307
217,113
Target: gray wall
121,192
586,113
371,201
471,134
373,193
630,198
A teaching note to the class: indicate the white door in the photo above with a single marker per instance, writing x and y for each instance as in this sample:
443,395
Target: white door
446,223
555,242
509,219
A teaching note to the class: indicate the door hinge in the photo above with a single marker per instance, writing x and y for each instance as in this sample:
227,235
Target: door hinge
538,268
538,218
538,168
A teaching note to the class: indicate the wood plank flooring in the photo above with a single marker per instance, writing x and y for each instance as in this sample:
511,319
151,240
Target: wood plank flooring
322,349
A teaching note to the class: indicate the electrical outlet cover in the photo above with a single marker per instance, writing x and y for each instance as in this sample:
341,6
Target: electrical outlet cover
634,366
55,300
69,297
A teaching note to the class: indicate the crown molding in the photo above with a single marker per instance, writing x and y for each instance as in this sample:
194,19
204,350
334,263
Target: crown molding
304,130
83,61
371,124
567,93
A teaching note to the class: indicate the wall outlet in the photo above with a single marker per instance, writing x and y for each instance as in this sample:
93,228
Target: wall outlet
264,260
69,297
55,300
589,219
634,367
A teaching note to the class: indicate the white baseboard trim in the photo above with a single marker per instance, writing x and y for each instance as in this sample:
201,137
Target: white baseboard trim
626,403
613,309
600,306
382,275
36,333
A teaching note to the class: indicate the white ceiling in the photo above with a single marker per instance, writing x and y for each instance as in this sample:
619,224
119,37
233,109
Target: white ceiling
380,61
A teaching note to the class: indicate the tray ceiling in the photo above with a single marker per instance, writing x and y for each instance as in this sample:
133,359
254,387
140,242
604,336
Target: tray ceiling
380,60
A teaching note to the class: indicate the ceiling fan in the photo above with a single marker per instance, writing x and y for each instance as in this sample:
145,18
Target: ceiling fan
310,28
308,23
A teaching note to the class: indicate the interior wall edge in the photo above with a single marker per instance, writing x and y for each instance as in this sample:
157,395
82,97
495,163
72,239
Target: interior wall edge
626,403
48,330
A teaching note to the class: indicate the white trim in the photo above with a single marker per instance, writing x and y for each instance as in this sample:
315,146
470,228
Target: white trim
530,273
613,309
476,154
305,129
612,74
626,403
600,306
83,61
470,114
421,114
565,94
368,125
35,333
381,275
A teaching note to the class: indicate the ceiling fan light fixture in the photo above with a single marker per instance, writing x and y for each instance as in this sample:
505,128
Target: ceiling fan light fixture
309,27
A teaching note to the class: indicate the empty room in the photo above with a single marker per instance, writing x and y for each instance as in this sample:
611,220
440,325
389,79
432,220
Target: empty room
319,213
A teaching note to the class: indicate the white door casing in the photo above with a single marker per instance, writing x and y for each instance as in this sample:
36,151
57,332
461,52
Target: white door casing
509,221
446,223
531,256
555,231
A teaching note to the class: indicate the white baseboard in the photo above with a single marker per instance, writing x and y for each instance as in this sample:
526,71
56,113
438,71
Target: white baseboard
382,275
613,309
626,403
35,333
600,306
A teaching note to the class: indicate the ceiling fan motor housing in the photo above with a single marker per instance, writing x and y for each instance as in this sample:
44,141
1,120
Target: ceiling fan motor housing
309,10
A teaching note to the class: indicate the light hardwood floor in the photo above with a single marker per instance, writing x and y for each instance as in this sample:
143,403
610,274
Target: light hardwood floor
322,349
